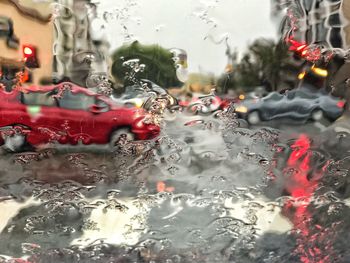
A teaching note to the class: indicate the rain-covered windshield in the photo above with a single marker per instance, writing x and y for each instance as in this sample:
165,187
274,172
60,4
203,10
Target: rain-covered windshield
174,131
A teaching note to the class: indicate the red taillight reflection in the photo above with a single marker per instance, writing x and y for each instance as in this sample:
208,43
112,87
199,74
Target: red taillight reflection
300,148
341,104
162,187
310,53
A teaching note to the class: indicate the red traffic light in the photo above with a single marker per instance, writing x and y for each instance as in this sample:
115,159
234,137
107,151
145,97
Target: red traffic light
30,56
27,51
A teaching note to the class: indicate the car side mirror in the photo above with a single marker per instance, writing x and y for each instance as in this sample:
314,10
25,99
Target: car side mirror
95,109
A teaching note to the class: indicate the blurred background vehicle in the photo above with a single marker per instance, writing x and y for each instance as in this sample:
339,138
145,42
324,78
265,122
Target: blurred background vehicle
300,104
143,95
205,104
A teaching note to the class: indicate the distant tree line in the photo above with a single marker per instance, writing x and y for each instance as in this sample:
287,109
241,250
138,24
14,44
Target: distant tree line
265,63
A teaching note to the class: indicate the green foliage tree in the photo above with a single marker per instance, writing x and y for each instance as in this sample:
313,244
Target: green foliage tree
273,60
160,67
266,63
248,75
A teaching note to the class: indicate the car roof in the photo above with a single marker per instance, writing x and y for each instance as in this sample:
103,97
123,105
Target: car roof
61,86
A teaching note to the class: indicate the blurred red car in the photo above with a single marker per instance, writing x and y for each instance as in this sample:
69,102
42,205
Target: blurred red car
67,114
207,104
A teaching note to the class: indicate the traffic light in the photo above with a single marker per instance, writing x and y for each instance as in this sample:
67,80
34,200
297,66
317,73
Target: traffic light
30,56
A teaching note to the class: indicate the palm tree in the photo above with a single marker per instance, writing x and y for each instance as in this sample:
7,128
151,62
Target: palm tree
273,58
266,63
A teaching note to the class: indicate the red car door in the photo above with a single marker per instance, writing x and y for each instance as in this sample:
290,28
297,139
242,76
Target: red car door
102,121
43,116
74,109
11,110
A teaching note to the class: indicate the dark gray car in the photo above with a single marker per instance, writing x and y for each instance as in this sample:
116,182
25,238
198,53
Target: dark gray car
298,104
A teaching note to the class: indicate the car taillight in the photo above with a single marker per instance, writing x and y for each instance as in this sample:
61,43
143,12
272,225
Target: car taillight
341,104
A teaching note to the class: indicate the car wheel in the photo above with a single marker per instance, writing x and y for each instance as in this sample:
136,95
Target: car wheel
121,136
253,117
15,142
317,115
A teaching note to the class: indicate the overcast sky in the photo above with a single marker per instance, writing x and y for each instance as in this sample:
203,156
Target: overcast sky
196,26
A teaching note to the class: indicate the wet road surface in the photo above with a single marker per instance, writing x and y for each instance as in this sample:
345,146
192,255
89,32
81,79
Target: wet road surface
205,191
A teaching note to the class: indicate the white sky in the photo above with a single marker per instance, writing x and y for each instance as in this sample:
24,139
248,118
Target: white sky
177,23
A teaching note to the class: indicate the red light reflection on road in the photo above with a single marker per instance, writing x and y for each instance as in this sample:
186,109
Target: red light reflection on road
299,161
161,187
310,247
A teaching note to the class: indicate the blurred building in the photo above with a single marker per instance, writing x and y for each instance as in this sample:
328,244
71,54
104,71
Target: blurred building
346,26
26,38
80,47
198,83
52,40
319,21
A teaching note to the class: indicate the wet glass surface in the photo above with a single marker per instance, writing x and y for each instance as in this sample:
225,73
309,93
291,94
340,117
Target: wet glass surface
188,131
